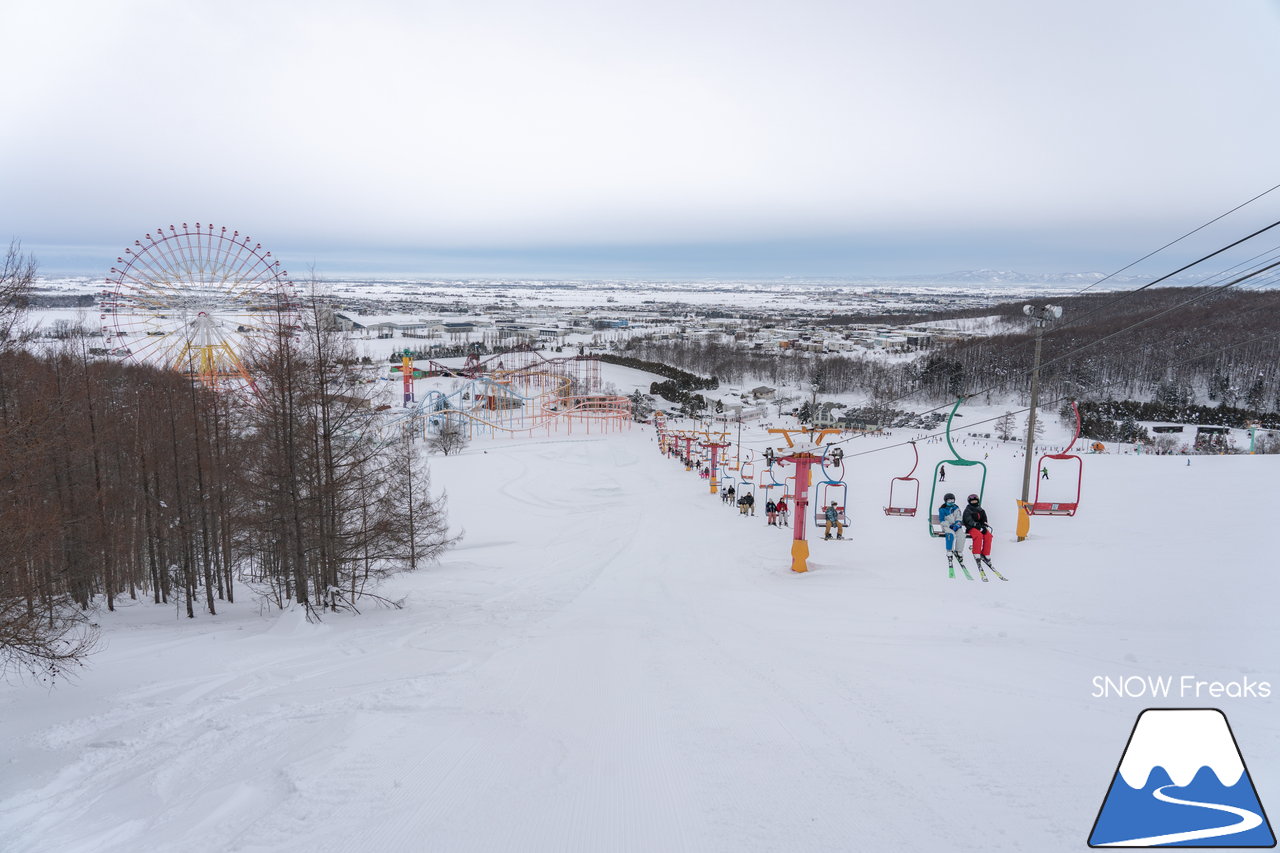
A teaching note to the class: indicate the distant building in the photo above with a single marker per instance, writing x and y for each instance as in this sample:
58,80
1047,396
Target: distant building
764,392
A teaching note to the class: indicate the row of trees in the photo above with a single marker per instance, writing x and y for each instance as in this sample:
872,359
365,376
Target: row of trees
122,480
1179,355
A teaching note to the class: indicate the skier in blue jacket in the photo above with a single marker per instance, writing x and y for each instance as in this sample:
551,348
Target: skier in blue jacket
832,517
952,520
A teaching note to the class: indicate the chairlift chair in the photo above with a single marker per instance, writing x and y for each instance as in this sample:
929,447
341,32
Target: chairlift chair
826,486
1067,508
898,504
935,527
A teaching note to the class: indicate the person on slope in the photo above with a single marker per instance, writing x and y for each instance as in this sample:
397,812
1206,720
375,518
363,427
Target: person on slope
951,517
942,473
771,510
832,516
784,513
979,530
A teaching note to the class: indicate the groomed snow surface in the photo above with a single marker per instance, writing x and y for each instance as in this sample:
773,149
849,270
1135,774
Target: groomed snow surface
614,660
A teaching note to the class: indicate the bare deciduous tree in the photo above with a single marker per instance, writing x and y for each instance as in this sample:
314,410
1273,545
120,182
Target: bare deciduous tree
17,274
449,438
122,479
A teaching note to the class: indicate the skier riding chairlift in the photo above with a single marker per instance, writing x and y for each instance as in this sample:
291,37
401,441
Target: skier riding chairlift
832,516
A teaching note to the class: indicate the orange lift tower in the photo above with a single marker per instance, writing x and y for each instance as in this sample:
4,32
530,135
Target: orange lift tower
803,454
715,447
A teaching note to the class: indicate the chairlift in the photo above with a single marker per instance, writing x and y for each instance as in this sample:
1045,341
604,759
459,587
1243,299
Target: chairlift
1068,508
829,485
899,506
773,481
935,526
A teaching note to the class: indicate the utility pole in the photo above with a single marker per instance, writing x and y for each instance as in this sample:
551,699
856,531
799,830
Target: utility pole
813,406
1041,317
738,452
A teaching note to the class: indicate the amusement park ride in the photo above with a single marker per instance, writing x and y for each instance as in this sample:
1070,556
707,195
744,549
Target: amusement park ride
199,299
514,393
194,299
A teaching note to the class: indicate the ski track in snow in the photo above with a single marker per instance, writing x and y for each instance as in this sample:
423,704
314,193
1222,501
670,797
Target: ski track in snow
614,660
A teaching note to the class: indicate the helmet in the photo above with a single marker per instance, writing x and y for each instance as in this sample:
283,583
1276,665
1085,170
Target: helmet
974,498
948,497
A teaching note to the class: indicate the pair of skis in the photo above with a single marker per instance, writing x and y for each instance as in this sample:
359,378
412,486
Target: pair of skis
979,559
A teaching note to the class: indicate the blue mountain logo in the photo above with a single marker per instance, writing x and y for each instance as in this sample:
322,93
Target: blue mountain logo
1182,783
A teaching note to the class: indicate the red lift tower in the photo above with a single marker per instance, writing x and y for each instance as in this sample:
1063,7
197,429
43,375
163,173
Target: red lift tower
803,454
715,448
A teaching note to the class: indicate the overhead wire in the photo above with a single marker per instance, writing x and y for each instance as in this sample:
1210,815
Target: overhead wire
1131,293
1179,239
1203,294
1154,252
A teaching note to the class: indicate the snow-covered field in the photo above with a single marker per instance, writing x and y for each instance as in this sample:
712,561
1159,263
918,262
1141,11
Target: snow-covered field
613,660
826,295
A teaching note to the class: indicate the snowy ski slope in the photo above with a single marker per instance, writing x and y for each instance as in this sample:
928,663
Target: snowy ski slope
613,660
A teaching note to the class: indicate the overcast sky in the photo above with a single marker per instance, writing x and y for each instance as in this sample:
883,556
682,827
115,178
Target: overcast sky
655,138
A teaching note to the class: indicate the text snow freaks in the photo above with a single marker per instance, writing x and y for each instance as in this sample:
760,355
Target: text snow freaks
1176,687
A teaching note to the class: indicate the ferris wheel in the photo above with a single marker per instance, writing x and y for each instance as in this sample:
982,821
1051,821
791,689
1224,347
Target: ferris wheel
193,299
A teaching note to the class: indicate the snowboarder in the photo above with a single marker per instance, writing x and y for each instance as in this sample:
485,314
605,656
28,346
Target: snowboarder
1044,473
784,513
942,473
979,530
771,510
951,518
832,516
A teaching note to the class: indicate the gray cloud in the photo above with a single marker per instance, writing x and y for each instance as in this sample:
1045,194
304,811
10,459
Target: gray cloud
538,126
